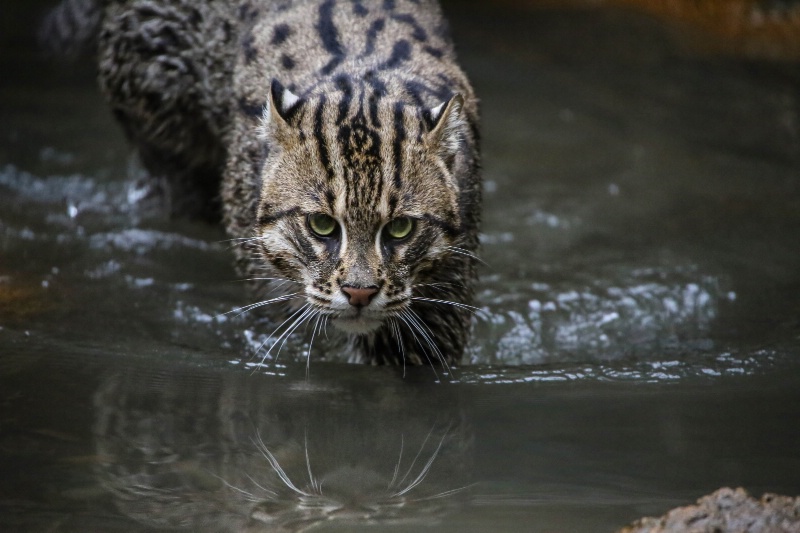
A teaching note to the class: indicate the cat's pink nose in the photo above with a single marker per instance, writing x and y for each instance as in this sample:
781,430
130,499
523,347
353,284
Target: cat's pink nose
359,296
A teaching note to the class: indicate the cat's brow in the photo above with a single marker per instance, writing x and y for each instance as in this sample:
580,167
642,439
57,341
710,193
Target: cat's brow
271,218
449,229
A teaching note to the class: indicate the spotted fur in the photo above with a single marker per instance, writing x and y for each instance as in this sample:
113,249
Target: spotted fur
368,119
352,109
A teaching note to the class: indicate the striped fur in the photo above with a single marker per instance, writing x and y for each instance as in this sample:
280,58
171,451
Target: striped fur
380,123
354,109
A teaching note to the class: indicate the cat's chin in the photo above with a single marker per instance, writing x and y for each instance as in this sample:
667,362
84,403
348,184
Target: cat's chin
356,325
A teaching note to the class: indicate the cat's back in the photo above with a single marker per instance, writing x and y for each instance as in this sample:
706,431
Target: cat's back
304,41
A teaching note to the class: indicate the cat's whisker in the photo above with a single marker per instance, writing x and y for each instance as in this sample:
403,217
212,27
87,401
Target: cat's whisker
397,465
437,285
325,325
244,309
412,330
415,328
427,334
444,494
416,457
303,320
269,492
476,311
279,286
467,253
239,241
307,312
471,308
311,479
320,317
273,462
291,317
247,495
284,280
424,472
399,337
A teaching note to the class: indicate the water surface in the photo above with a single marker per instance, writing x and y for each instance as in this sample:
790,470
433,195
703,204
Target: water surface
636,348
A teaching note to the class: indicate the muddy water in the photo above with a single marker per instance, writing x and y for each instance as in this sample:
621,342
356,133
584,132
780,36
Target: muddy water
637,345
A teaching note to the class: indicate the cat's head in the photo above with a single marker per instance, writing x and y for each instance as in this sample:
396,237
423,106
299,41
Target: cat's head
359,198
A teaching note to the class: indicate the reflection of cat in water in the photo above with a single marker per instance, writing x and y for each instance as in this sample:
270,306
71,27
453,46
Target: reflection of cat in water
352,492
231,454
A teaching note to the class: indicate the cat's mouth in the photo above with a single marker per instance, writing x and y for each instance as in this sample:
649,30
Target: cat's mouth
358,323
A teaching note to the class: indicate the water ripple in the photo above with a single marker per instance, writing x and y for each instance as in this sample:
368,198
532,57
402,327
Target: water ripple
629,312
726,364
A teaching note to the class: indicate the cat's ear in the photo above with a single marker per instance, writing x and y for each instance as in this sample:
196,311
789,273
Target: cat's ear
448,123
281,106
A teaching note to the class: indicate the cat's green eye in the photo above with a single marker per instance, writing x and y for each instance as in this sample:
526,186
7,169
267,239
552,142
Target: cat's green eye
399,228
321,224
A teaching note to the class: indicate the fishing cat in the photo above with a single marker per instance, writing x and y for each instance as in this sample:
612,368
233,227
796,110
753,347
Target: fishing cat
346,136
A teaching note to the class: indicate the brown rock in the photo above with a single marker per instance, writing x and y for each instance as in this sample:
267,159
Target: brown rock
727,511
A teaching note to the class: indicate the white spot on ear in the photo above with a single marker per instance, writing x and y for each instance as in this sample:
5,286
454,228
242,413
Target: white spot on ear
274,119
288,100
436,111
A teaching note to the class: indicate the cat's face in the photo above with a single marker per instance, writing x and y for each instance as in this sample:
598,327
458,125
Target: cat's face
358,201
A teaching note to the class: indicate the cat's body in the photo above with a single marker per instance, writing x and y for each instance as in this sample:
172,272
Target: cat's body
346,135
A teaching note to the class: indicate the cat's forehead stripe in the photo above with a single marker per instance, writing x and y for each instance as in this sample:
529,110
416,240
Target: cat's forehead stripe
319,138
397,144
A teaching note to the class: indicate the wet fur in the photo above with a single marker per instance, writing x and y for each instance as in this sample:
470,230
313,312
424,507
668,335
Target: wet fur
355,109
